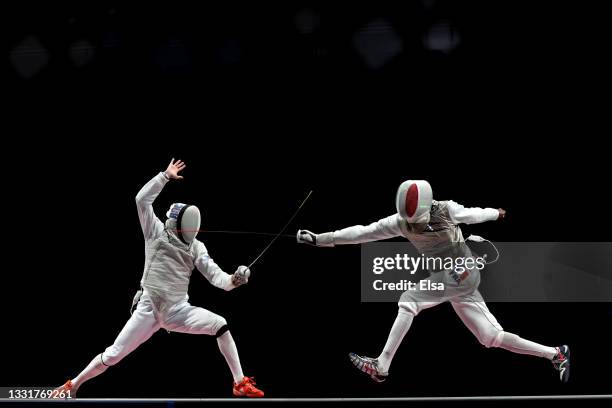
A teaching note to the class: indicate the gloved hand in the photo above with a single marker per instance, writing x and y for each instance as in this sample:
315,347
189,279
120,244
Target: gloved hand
241,276
321,240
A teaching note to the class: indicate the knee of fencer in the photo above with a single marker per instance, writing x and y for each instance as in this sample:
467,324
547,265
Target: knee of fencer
221,327
410,308
492,338
112,355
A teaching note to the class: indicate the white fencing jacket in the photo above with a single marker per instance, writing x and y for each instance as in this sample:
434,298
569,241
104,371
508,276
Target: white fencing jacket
168,261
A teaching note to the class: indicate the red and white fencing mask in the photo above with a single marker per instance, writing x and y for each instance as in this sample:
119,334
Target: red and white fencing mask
413,201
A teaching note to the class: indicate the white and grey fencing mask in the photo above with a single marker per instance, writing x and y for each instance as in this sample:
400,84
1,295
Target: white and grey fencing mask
187,219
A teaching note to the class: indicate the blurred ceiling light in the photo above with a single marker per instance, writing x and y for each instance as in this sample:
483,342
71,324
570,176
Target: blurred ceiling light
82,52
377,43
29,57
441,37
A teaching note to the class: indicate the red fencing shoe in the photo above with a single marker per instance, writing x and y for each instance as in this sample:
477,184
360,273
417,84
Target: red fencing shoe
246,388
64,391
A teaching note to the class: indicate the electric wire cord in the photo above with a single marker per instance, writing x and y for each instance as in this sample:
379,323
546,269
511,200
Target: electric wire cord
478,238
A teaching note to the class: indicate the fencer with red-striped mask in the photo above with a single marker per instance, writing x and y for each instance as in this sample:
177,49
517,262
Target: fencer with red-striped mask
431,226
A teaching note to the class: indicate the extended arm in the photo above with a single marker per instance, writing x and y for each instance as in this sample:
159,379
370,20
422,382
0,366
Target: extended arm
383,229
473,215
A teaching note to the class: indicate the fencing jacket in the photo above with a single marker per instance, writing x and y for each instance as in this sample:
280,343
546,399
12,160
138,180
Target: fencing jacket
168,261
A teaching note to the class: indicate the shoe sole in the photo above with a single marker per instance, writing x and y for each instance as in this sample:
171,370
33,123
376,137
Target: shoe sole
566,373
374,377
247,396
242,394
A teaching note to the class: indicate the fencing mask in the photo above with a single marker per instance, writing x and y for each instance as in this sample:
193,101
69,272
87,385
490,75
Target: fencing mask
413,201
187,219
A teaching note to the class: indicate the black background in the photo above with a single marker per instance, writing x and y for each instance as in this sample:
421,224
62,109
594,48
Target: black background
508,119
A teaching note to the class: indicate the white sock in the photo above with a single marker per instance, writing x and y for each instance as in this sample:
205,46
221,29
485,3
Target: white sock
398,331
94,369
519,345
230,352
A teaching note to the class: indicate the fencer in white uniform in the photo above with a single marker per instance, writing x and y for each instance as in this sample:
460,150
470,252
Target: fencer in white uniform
172,252
432,226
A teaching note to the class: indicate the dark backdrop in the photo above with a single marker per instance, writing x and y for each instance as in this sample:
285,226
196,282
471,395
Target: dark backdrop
264,103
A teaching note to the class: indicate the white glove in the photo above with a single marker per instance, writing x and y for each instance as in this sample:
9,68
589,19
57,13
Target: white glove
321,240
241,276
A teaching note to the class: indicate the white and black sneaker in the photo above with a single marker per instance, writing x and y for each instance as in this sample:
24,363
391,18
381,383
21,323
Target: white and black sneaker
561,361
369,366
